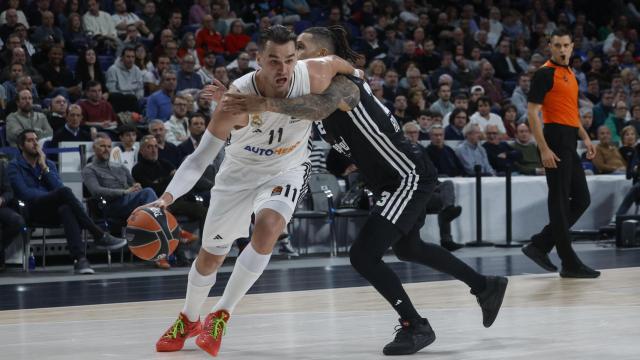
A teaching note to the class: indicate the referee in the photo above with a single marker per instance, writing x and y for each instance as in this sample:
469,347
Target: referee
554,90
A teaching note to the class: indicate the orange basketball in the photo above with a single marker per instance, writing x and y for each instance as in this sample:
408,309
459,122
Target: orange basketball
152,233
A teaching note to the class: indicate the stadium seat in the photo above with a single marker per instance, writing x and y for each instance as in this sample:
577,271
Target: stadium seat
106,61
71,61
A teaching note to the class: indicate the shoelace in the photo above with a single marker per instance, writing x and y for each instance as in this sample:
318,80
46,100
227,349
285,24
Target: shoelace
178,326
401,332
218,325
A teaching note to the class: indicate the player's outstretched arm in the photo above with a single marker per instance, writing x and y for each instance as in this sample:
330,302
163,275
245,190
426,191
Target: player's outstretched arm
341,94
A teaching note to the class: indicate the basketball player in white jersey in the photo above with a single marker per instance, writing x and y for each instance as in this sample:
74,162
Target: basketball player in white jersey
264,172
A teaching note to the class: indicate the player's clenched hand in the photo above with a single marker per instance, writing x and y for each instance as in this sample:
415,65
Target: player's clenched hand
243,103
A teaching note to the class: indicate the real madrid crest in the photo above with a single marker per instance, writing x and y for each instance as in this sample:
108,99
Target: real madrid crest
256,120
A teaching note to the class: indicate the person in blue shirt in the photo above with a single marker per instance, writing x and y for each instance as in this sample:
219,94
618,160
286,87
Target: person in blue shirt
35,181
159,106
10,221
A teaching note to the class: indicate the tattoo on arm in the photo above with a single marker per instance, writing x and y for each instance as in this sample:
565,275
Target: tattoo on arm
342,94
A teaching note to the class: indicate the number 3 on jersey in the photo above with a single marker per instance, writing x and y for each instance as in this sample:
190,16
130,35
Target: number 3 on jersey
383,198
272,135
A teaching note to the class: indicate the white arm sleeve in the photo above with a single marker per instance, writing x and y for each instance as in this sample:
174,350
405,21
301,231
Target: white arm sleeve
194,165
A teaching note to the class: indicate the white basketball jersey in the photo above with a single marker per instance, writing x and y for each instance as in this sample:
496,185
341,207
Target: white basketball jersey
271,143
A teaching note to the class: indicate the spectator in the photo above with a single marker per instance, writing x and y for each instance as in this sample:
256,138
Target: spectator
113,182
484,116
175,22
22,83
35,181
198,11
131,38
17,70
57,112
100,24
71,130
411,132
75,38
252,50
26,118
413,80
122,19
471,153
166,37
520,93
203,108
14,4
454,131
375,72
425,121
9,26
220,24
35,12
166,150
97,112
154,173
159,103
294,10
153,77
220,73
236,39
47,32
586,119
124,77
608,159
177,126
188,47
530,163
197,128
616,121
477,92
187,78
501,155
151,19
57,78
507,68
242,68
629,140
602,110
409,56
391,87
126,153
510,120
208,39
593,91
491,85
372,47
416,104
461,101
442,156
443,105
88,69
635,117
400,107
11,223
208,68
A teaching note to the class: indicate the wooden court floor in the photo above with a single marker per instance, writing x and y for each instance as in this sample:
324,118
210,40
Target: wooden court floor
543,317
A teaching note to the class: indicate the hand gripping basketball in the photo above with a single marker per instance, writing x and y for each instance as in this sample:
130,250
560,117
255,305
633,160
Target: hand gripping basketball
162,202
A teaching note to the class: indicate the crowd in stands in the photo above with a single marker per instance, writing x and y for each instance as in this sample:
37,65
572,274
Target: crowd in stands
455,75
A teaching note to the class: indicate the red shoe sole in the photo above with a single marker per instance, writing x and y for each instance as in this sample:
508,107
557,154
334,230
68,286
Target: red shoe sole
203,345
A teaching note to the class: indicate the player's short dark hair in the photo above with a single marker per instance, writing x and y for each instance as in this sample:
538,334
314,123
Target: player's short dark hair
277,34
127,48
333,38
22,137
561,31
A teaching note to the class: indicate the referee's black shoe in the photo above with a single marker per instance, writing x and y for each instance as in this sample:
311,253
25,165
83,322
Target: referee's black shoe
411,336
539,257
582,271
490,299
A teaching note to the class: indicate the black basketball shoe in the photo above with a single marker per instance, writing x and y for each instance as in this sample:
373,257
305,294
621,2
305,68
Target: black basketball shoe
490,299
411,336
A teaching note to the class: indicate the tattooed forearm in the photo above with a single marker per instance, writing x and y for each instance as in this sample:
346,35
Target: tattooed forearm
342,94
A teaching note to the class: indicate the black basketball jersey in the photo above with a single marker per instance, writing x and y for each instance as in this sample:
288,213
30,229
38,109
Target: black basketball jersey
372,138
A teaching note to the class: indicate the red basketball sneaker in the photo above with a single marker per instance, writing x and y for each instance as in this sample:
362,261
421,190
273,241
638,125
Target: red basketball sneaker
181,330
215,326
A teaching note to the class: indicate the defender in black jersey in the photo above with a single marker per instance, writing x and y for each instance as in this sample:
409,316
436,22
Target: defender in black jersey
402,179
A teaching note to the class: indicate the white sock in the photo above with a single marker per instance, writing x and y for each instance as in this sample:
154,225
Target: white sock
198,288
247,270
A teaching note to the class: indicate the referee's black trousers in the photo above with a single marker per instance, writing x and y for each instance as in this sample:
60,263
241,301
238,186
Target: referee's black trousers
568,194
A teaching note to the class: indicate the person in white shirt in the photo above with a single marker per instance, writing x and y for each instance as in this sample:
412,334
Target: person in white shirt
122,18
99,22
177,126
127,152
484,116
